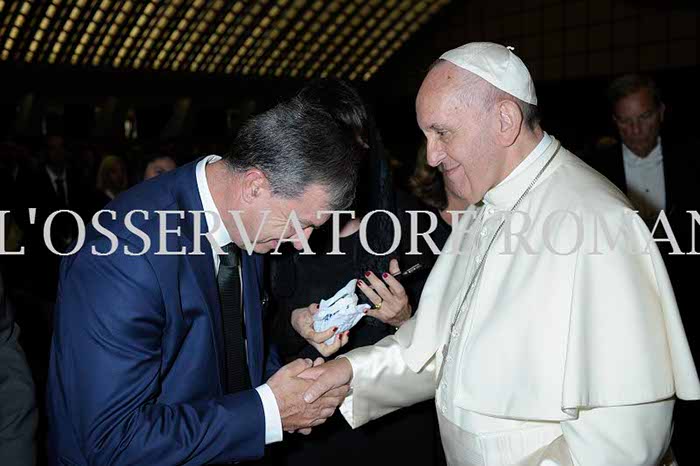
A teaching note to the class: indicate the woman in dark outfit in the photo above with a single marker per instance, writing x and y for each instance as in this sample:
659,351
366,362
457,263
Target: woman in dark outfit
297,281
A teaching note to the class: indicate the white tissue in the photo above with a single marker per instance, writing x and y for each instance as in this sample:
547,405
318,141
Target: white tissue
340,311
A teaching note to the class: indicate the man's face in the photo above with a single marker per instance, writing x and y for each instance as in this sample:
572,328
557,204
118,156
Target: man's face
457,135
638,119
314,199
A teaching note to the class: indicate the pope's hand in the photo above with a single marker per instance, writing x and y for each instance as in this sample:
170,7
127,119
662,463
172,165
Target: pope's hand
327,378
288,389
303,323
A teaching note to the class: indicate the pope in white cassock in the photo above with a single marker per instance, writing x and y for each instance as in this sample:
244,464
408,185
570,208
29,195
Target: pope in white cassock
553,337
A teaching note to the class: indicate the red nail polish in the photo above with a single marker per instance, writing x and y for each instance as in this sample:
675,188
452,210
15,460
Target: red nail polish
384,275
335,329
360,283
367,274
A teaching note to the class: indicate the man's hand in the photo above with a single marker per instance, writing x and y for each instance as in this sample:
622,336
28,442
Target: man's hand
303,323
328,378
288,389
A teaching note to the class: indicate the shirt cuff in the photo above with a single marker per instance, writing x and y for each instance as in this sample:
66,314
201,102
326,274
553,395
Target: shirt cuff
273,421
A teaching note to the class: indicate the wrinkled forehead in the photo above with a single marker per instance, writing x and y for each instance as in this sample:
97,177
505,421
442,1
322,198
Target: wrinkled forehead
640,101
438,96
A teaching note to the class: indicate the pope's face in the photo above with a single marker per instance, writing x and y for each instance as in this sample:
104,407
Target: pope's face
638,119
456,134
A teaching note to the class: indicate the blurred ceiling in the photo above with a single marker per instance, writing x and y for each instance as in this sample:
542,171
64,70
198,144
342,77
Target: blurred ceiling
349,39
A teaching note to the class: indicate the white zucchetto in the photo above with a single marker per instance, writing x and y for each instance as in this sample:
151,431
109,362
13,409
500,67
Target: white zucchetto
496,64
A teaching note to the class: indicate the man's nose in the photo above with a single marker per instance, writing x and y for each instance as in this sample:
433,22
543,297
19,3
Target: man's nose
435,155
636,127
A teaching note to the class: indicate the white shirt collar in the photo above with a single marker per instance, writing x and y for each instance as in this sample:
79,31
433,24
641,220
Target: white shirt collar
632,160
53,175
220,235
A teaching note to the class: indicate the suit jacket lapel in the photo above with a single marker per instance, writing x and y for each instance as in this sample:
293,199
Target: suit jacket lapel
202,265
620,177
668,179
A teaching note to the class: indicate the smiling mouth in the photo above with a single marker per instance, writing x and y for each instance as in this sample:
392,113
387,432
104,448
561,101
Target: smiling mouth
448,171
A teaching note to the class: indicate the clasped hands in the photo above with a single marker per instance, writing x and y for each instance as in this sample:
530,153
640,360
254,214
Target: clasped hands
308,392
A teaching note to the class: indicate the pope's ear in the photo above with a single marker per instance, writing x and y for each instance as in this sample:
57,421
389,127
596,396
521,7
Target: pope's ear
255,186
510,120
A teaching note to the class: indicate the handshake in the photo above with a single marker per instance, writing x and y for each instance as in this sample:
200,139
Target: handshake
308,392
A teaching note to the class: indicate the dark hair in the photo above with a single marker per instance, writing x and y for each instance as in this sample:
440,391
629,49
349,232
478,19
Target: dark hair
312,138
629,84
427,183
375,192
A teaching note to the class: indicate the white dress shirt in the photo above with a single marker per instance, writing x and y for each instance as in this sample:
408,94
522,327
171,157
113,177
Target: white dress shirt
273,421
646,185
54,182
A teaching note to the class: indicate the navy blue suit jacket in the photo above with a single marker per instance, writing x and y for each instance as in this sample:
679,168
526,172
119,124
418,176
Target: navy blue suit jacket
137,354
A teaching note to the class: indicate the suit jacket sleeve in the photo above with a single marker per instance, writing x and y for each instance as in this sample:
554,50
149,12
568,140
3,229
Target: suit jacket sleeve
18,416
108,359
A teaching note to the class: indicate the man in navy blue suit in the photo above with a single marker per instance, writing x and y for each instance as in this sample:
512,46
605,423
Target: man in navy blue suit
157,355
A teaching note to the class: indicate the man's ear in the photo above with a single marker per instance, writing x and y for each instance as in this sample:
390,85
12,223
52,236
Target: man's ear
255,186
510,119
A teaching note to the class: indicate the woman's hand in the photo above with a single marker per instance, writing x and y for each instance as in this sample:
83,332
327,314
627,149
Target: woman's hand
391,304
303,323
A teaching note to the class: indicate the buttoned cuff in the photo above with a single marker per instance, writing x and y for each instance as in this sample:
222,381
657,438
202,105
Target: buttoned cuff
273,421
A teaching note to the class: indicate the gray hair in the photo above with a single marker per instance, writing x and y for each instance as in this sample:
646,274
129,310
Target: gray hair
311,139
480,94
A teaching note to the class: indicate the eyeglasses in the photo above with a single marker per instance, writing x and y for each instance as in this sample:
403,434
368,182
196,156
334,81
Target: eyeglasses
643,118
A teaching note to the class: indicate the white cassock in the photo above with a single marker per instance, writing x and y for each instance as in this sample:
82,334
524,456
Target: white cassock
570,349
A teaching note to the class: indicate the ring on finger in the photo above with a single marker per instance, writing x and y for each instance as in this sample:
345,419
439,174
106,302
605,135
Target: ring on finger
378,305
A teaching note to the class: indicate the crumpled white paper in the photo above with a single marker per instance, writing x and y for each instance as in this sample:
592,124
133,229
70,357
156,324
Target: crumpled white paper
340,311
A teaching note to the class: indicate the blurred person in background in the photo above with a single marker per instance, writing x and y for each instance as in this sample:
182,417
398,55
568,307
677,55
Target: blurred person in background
111,177
656,169
158,164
